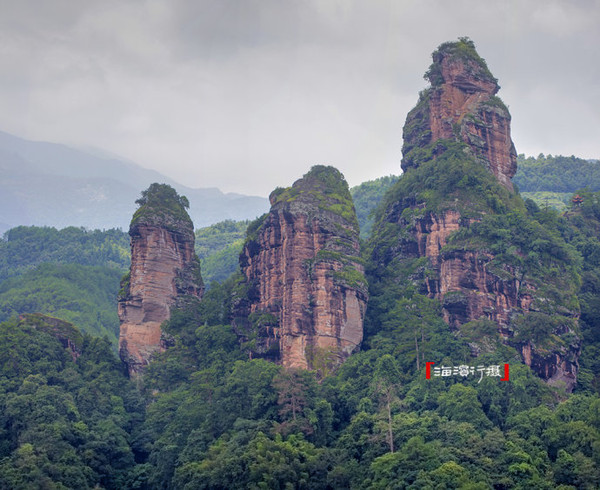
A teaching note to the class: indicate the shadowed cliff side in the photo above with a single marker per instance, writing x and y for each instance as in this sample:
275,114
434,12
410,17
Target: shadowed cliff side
165,272
453,229
305,280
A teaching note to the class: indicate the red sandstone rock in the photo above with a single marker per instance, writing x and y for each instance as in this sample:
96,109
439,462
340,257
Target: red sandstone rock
469,289
304,270
164,267
461,105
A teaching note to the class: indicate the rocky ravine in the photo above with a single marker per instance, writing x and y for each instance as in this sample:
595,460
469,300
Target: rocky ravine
306,288
164,271
461,108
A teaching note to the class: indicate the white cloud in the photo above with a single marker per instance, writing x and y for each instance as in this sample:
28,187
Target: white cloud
246,95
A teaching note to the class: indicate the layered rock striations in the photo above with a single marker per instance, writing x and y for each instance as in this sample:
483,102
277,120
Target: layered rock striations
462,105
486,259
165,271
307,292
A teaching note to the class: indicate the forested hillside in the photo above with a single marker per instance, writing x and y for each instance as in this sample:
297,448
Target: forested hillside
72,274
217,419
25,247
69,417
367,197
218,247
552,180
83,295
206,414
557,174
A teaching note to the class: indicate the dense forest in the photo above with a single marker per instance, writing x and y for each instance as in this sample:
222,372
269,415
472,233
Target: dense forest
557,174
367,197
72,274
206,415
552,180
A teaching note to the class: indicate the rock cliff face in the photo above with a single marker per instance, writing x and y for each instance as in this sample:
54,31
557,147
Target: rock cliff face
444,210
482,293
461,105
164,271
307,292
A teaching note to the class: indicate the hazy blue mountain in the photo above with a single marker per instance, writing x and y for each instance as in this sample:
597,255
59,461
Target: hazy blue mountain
56,185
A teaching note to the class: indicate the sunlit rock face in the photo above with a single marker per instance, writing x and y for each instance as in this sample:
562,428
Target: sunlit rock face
306,285
462,105
461,113
164,270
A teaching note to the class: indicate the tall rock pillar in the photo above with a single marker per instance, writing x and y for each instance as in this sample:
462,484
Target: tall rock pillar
164,270
461,105
456,223
306,281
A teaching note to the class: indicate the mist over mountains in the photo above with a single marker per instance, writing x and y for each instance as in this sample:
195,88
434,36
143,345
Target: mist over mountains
55,185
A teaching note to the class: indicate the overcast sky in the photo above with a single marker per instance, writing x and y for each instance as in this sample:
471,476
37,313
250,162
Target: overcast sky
246,95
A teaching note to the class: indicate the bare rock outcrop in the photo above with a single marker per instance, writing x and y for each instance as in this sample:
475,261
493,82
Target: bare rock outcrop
444,211
164,271
306,288
462,105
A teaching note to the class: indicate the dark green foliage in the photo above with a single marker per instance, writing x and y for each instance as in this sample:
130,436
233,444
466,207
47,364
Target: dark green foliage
453,180
66,332
216,419
214,238
556,174
221,420
218,246
324,185
83,295
367,197
416,133
464,50
64,424
254,227
254,460
160,204
528,249
583,233
25,247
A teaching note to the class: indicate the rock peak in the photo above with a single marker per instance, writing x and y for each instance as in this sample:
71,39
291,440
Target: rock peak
307,291
160,205
164,272
461,105
458,64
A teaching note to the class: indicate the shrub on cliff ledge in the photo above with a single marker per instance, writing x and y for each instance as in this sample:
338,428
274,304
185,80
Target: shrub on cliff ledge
160,203
463,49
324,185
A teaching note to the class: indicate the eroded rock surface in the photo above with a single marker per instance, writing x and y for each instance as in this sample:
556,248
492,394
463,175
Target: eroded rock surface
164,270
462,105
306,285
457,119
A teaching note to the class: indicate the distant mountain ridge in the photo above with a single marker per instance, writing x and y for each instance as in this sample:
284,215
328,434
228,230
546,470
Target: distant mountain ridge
56,185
